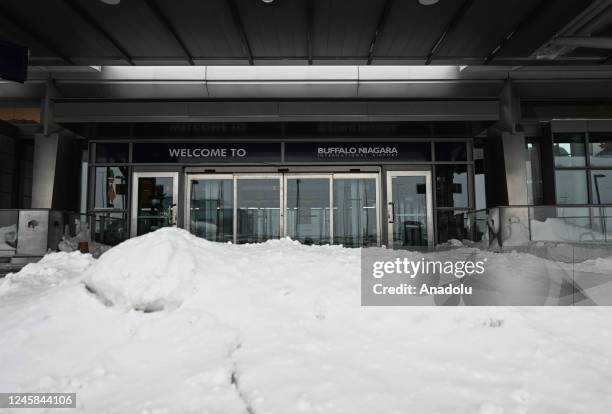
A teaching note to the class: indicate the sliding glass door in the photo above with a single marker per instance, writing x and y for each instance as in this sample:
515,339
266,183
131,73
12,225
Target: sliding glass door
308,206
311,208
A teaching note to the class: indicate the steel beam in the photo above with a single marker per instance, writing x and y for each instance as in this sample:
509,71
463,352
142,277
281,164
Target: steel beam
240,27
83,14
39,37
382,21
159,14
449,28
310,16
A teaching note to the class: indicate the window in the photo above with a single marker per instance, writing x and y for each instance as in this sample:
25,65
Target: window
600,149
569,150
113,152
451,186
571,187
601,182
451,151
111,188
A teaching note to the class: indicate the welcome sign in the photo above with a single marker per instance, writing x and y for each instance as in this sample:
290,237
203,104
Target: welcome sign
193,152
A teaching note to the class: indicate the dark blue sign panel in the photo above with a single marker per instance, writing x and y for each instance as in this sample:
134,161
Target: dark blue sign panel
357,152
13,62
205,153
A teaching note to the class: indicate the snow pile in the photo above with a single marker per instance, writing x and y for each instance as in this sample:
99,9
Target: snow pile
153,272
278,328
52,269
559,229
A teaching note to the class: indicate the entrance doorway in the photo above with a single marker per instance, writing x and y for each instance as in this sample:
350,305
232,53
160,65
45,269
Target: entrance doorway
409,209
312,208
154,200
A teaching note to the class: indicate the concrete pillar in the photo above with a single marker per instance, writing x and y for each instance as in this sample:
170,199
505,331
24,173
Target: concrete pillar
43,174
506,169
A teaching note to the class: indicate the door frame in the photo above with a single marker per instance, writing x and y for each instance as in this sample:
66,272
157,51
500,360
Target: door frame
134,205
428,201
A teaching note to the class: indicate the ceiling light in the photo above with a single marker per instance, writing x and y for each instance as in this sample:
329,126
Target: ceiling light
111,2
267,1
428,2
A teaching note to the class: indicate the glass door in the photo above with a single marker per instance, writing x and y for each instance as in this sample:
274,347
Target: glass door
210,211
258,208
409,209
308,207
355,221
154,199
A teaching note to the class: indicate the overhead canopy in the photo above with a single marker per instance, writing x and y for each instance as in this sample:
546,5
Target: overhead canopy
237,32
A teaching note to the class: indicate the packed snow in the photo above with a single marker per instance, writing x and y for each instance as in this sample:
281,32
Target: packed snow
169,323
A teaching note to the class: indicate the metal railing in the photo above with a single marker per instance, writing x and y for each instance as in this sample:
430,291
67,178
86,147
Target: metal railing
547,223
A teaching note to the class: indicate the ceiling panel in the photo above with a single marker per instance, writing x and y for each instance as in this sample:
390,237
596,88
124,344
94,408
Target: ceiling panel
206,27
275,29
412,29
483,26
59,26
134,26
552,19
344,28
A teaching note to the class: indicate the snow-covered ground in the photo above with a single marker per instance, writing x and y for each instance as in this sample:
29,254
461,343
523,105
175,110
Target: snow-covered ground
168,323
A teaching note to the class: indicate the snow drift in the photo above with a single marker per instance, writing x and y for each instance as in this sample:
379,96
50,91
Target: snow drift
278,328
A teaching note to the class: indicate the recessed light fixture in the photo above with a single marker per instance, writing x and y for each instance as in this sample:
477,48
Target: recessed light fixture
111,2
428,2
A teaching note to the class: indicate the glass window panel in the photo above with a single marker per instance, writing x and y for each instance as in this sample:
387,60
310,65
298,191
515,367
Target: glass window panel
211,209
258,204
114,152
452,225
155,203
600,149
355,215
568,150
451,151
111,187
308,207
110,227
571,186
601,185
452,186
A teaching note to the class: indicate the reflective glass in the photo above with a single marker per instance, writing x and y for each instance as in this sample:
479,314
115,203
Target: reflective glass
258,205
211,209
112,152
308,207
601,185
409,211
155,203
571,186
568,150
452,186
355,215
111,188
451,151
600,150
